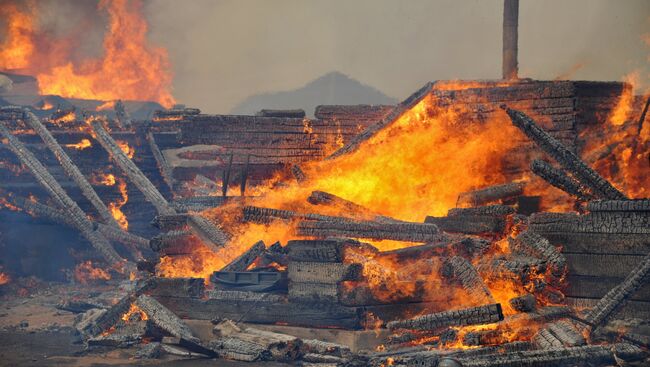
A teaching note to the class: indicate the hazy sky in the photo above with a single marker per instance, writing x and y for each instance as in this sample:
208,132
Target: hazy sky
223,51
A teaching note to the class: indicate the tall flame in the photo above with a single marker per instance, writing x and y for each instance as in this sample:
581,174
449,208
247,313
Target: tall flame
130,68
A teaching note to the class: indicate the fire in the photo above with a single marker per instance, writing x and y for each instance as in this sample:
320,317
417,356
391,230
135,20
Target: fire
109,105
115,207
83,144
130,68
134,311
4,203
86,272
4,278
68,116
126,148
18,47
622,111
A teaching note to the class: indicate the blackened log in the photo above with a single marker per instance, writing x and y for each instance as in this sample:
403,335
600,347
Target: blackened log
557,334
244,177
631,222
559,179
242,262
313,292
560,356
473,224
485,337
170,222
125,334
532,244
162,242
74,212
167,321
129,168
403,231
518,267
460,270
163,166
333,250
176,287
351,209
297,113
281,347
238,350
70,169
491,194
617,296
327,348
642,117
486,314
211,235
525,303
639,205
298,173
566,158
267,215
319,272
493,210
322,359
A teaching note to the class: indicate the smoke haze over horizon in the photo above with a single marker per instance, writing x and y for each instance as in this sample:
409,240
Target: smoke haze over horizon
223,51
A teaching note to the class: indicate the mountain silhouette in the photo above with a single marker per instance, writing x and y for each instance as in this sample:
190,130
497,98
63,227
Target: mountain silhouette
331,88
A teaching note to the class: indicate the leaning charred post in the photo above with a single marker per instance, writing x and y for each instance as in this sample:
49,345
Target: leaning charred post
49,183
468,316
491,194
70,168
131,170
559,179
566,158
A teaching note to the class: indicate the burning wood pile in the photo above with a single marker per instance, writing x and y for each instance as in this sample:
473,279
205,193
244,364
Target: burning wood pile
479,282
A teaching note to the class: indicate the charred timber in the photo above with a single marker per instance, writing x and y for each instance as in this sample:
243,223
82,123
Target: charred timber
319,272
560,333
640,205
281,113
170,222
473,224
532,244
566,158
136,176
298,173
617,296
560,356
491,194
460,270
114,314
280,347
331,251
559,179
352,209
169,239
243,261
76,215
267,215
486,314
71,169
211,235
491,210
176,287
163,166
403,231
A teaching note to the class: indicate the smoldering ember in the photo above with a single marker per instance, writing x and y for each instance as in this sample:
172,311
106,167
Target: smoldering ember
476,223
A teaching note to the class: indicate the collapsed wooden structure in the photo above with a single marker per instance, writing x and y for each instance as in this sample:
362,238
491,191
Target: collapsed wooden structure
334,279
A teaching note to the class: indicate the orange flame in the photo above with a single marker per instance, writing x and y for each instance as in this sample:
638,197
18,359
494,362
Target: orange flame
18,47
126,148
105,106
130,67
116,206
4,278
134,311
83,144
622,111
86,272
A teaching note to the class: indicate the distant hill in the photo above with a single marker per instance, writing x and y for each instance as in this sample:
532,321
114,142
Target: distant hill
331,88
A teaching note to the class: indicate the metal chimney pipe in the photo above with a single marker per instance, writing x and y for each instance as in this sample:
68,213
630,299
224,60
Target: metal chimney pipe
510,37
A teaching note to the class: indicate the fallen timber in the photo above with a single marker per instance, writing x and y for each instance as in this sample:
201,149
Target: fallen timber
70,168
558,334
403,231
77,216
460,270
532,244
163,166
491,210
333,251
491,194
58,216
474,224
559,179
328,273
168,242
596,354
243,261
566,158
617,296
208,232
136,176
351,208
486,314
267,215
